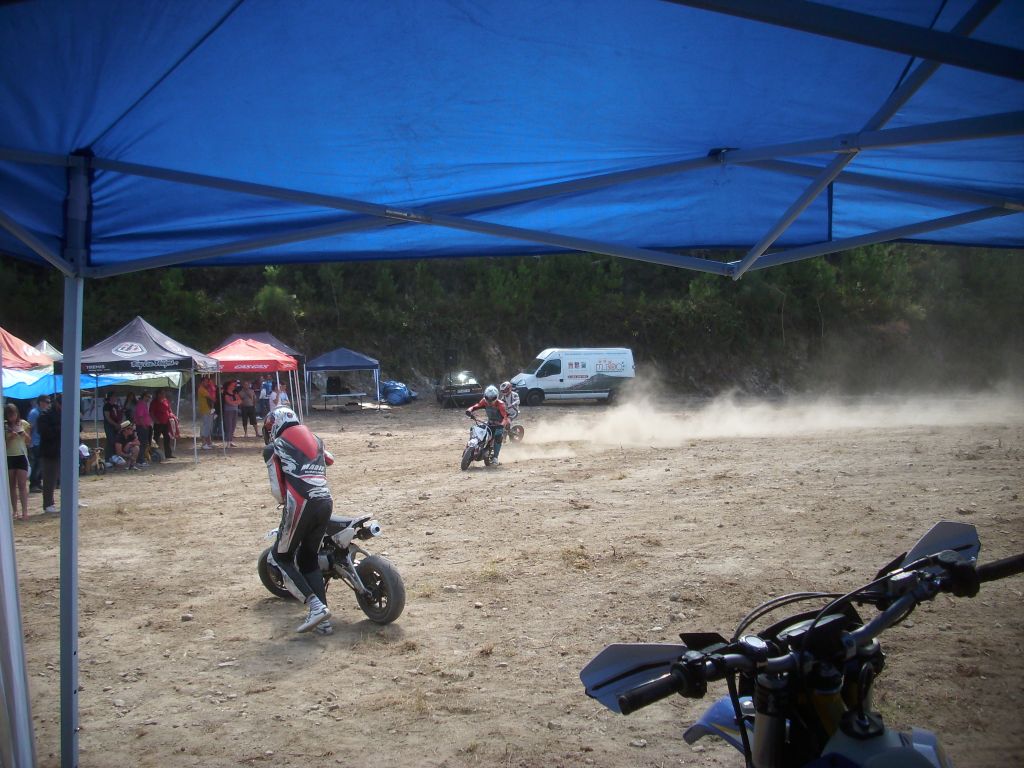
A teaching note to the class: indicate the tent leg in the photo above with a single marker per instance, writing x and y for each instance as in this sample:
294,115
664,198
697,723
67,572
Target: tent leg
195,439
17,743
69,426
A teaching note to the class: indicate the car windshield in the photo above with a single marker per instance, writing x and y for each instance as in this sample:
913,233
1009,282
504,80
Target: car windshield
530,367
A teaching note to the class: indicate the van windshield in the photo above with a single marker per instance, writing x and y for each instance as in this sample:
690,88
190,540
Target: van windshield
529,368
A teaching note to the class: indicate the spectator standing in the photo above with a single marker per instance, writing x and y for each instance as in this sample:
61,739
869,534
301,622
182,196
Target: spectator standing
49,452
248,397
160,411
129,406
34,465
283,401
18,437
113,415
263,401
144,425
207,396
232,405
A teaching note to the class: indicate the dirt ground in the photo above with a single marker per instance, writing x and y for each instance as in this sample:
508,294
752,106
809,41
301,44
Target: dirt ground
607,524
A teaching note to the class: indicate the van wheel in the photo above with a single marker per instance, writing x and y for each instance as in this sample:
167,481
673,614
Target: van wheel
535,397
610,399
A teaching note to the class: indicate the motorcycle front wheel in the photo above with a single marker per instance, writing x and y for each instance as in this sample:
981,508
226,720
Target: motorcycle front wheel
271,577
467,458
386,600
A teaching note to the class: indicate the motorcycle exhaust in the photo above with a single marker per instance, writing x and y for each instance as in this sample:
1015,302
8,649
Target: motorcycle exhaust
370,530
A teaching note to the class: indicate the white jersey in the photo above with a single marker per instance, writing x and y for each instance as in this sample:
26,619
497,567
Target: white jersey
511,401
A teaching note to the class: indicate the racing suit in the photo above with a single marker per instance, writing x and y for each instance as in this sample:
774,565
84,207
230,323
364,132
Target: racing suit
297,466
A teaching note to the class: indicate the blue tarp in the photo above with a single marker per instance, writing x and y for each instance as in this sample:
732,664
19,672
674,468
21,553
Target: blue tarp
240,132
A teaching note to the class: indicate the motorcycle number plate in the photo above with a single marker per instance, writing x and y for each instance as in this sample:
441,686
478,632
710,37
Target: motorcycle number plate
462,391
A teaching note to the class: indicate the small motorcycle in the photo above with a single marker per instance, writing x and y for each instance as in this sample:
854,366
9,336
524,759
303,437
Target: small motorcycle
480,446
800,690
379,589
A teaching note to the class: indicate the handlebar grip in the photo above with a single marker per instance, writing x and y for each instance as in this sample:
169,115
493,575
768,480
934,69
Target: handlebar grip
1000,569
648,693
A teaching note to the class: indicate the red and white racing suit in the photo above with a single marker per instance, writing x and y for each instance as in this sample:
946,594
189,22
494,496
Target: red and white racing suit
297,466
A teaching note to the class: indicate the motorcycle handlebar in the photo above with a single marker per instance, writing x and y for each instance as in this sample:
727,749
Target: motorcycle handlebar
1000,569
690,679
648,693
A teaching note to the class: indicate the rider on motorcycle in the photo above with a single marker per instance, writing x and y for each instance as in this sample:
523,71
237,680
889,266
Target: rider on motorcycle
497,417
510,398
297,465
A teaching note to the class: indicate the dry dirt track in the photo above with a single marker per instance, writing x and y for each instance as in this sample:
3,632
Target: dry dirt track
606,524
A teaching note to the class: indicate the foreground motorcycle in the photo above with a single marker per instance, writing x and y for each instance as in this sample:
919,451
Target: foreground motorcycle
377,584
480,446
802,687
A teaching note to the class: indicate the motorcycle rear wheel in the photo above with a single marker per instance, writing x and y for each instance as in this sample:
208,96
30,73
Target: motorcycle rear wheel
467,458
271,577
387,599
516,433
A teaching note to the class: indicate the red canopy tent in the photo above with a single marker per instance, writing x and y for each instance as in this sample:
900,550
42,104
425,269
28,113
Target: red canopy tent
248,356
19,354
251,356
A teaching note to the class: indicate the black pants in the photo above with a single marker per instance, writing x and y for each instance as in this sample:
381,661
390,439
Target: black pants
51,473
300,562
165,431
35,467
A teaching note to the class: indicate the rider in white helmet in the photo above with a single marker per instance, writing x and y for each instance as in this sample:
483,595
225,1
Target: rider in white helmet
497,417
510,398
297,465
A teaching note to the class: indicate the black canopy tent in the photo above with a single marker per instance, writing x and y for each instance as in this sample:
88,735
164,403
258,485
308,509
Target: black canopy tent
342,359
139,347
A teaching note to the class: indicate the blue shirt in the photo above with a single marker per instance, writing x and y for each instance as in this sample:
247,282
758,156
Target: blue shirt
33,417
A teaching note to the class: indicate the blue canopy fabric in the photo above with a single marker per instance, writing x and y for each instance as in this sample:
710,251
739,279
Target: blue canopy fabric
342,359
229,132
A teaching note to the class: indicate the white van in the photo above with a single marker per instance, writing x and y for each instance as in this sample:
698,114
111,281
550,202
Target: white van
575,374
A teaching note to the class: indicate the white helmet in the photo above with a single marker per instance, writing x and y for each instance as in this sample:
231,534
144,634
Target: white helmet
491,393
277,420
506,386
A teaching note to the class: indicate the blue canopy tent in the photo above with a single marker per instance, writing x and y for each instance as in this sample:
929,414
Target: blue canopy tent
219,132
342,359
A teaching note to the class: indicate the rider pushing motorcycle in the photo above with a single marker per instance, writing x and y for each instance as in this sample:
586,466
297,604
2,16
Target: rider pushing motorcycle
497,417
297,465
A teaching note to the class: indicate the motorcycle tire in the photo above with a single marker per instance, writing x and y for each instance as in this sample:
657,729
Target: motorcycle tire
387,599
467,459
517,433
488,459
271,577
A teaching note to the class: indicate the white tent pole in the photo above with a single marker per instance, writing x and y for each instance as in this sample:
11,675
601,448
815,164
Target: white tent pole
195,443
376,382
298,391
220,415
17,743
70,420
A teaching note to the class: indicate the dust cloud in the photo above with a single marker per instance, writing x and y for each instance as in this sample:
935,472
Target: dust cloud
659,424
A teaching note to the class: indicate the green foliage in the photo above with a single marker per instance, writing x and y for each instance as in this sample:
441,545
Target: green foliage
867,318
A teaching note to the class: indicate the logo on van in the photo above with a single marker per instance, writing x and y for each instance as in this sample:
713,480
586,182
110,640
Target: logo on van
611,366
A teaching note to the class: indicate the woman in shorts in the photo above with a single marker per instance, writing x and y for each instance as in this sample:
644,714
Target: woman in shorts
18,436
